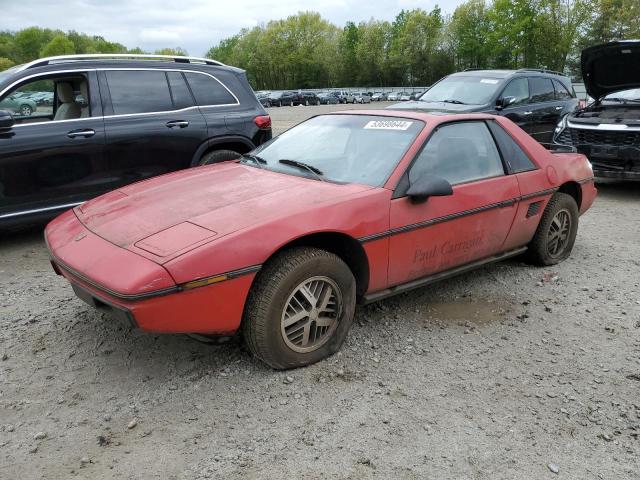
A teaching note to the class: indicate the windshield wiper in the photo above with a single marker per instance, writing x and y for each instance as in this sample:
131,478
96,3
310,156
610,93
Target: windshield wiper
259,161
622,100
310,168
457,102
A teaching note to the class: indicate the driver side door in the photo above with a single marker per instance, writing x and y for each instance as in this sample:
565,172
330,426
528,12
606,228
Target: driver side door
473,223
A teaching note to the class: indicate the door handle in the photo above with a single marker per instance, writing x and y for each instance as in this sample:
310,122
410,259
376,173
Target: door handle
527,113
84,132
178,123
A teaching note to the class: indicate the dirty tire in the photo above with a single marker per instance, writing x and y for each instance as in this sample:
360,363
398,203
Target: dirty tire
541,249
272,291
218,156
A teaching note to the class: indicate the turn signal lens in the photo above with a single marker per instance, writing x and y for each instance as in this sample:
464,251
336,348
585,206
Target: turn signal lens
204,282
263,121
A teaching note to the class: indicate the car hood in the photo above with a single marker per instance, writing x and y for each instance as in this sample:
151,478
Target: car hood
611,67
420,106
171,214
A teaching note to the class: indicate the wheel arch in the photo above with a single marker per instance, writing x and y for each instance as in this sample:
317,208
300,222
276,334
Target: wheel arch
574,190
236,143
344,246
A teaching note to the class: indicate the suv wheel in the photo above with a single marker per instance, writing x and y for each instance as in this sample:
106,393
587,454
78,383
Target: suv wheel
300,308
556,233
217,156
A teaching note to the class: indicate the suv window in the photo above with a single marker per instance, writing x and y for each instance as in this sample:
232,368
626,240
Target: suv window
459,152
561,91
541,89
60,97
138,91
179,90
517,160
518,88
208,90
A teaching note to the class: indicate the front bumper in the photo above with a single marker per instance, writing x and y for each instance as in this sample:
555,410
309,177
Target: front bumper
136,289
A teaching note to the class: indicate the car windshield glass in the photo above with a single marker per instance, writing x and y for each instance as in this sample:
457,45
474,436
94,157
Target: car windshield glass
464,89
345,148
632,95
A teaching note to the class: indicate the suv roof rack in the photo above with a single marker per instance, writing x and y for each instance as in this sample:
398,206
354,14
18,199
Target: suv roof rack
541,70
117,56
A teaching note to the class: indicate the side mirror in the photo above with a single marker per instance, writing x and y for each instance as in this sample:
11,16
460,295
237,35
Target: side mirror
428,186
504,102
6,119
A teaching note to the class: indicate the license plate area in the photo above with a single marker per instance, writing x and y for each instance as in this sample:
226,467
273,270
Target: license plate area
99,304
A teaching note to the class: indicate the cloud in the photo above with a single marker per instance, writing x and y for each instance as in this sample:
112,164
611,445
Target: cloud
196,25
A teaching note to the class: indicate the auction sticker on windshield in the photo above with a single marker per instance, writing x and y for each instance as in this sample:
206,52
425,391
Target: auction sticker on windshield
492,81
388,125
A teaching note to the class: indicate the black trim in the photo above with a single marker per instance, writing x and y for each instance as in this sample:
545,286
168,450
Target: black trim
420,282
541,193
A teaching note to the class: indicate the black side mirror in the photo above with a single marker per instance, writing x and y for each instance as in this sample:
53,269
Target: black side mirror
6,119
428,186
504,102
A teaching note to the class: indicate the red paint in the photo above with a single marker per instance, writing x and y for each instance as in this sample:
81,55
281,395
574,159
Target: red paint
210,220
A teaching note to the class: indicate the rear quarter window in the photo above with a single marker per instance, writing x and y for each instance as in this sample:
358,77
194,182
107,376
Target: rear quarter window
209,91
517,161
561,91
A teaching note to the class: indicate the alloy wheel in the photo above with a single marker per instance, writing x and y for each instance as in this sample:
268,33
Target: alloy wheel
311,314
558,235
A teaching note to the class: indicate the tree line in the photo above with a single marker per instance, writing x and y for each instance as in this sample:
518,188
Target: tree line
34,42
419,47
415,49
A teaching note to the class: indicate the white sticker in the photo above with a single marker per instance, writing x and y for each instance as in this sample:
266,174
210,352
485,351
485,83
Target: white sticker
492,81
388,125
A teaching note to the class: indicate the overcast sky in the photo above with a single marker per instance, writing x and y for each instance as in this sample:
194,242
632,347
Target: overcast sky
195,25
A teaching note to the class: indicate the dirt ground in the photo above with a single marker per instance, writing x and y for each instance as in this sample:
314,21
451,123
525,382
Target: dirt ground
512,372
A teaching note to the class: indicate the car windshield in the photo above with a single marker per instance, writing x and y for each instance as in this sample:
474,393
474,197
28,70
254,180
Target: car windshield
340,148
463,89
632,95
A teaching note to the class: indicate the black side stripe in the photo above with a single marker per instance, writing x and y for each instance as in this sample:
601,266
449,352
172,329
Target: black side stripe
453,216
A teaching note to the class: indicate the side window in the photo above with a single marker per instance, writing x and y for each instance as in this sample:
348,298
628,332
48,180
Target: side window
517,160
561,91
459,152
541,89
518,88
54,98
138,91
179,91
208,91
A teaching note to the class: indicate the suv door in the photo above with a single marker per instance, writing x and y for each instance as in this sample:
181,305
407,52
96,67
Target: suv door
519,112
546,109
152,124
472,224
53,159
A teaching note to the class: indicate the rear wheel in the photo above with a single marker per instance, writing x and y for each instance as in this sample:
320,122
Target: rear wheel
300,308
556,233
26,110
217,156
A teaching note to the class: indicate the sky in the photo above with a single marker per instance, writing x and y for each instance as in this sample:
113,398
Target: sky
195,25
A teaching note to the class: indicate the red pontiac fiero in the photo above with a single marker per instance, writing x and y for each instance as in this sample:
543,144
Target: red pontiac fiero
344,208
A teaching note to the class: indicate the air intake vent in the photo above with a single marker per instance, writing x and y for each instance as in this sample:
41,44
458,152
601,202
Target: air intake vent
534,209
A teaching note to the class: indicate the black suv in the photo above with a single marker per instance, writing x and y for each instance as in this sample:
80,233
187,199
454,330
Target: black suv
534,99
117,119
607,131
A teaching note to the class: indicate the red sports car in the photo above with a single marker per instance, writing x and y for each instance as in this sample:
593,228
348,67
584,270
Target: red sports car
344,208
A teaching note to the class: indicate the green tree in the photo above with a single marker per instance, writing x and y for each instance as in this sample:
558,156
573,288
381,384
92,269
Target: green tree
59,45
5,63
177,51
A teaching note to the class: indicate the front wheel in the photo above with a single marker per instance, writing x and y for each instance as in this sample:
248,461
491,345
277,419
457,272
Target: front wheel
300,308
26,110
556,233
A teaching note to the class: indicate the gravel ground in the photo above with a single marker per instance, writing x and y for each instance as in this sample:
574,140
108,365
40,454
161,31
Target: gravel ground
513,372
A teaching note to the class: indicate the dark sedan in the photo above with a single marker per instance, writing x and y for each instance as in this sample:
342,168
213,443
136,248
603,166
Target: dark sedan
328,99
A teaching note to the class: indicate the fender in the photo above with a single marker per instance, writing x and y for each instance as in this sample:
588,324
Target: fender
211,142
